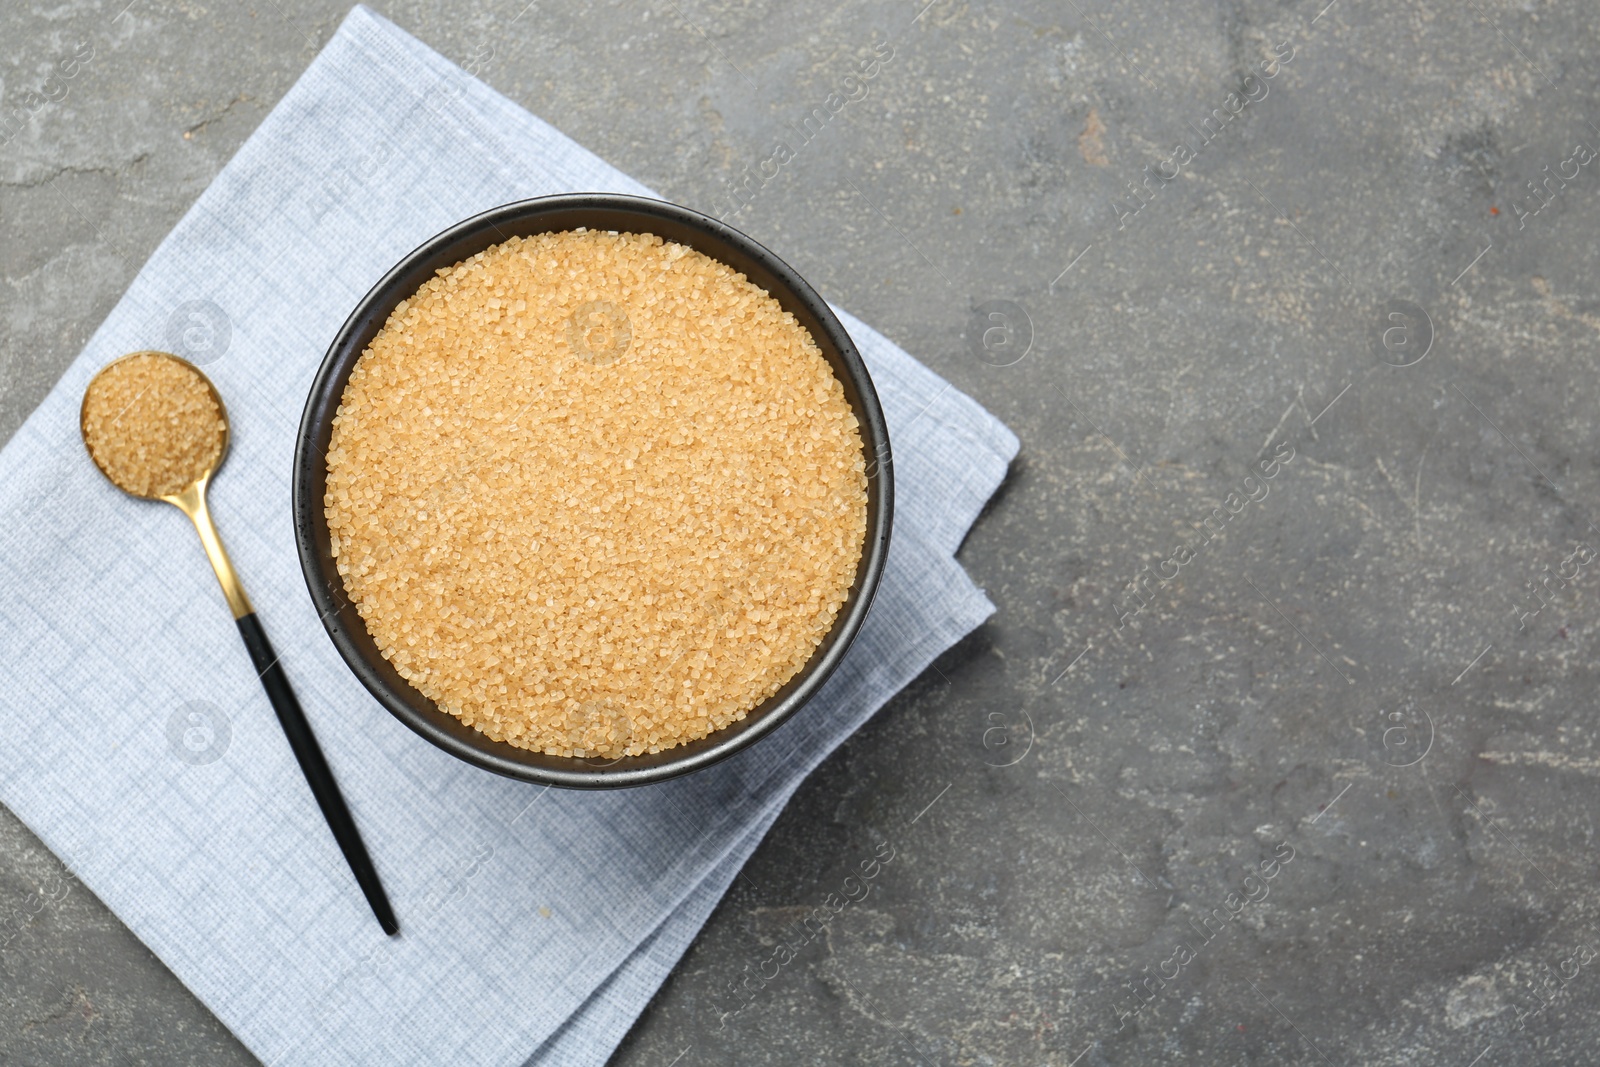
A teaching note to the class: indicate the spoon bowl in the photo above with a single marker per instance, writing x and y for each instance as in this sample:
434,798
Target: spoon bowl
216,397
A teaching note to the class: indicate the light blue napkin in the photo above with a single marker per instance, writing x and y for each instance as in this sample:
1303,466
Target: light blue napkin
135,739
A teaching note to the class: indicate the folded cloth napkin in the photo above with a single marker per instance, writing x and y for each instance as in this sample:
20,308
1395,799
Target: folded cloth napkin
137,743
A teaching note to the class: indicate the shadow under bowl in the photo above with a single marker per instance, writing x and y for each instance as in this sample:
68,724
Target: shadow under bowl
606,212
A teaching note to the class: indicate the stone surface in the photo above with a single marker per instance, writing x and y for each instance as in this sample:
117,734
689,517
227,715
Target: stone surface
1348,673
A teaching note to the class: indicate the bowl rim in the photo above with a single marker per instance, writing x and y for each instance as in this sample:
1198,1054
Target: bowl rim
308,483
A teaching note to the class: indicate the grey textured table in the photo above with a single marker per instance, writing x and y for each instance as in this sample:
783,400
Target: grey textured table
1368,676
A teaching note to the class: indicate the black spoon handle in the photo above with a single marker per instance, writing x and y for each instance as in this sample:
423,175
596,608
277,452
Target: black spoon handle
315,767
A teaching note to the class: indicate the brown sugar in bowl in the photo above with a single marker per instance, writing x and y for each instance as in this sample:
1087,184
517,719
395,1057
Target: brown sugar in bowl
665,741
595,494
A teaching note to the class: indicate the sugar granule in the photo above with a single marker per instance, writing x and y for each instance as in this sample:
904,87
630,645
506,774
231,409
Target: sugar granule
152,425
595,494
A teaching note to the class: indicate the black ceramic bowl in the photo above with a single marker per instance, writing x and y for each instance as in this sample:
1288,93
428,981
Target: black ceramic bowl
554,214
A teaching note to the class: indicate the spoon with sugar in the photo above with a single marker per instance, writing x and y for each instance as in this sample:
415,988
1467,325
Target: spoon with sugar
156,427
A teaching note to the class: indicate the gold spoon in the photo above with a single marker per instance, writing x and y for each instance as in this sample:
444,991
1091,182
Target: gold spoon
157,428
